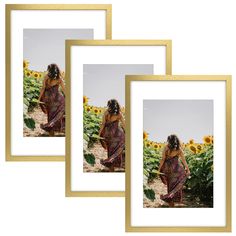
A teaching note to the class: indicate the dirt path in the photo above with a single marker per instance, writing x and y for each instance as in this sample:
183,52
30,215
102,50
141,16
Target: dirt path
100,154
159,189
40,118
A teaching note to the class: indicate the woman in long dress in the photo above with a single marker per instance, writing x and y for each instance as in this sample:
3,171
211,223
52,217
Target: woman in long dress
52,102
174,173
112,131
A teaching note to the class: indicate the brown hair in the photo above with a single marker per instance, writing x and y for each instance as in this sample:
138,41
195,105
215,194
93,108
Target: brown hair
113,107
54,71
173,142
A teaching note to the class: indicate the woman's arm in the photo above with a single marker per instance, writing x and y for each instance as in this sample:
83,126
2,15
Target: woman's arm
163,159
42,89
62,86
103,123
184,162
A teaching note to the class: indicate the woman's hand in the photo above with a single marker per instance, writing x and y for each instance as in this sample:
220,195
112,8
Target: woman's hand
100,132
159,169
187,172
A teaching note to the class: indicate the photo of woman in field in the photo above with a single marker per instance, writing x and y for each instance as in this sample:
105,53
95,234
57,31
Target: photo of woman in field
178,148
44,80
104,115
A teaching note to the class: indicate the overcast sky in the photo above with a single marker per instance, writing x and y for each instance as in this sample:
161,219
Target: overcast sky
45,46
104,82
186,118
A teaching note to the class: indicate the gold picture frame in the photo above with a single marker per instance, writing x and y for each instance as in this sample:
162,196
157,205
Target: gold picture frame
178,78
18,7
71,43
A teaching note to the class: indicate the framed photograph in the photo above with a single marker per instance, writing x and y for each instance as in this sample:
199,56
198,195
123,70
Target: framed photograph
35,92
178,153
95,133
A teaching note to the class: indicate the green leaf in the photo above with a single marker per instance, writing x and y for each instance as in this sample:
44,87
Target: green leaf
86,137
89,125
145,172
209,184
96,136
210,176
30,123
151,160
150,194
26,102
34,100
90,158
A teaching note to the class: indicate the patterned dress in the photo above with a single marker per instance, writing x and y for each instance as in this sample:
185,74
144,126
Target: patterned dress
174,177
54,106
114,142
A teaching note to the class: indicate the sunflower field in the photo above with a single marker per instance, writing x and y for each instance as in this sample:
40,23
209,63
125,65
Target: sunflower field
92,118
32,83
199,157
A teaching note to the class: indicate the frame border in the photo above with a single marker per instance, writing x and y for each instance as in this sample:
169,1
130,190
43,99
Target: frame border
228,226
69,44
8,9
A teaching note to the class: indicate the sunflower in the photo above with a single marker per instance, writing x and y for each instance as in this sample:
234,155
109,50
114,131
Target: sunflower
148,144
96,110
85,100
156,146
36,75
145,135
207,139
193,148
191,141
102,109
25,64
28,73
87,108
212,139
40,75
199,147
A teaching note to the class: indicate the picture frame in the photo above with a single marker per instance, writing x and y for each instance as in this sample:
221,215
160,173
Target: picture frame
154,88
95,16
80,56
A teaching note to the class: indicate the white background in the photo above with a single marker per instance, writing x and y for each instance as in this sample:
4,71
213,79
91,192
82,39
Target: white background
32,198
82,55
142,90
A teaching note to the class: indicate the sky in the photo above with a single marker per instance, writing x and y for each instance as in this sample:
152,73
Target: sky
45,46
105,82
188,119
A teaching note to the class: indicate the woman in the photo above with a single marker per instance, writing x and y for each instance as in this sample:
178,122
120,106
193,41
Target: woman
52,102
113,135
174,174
